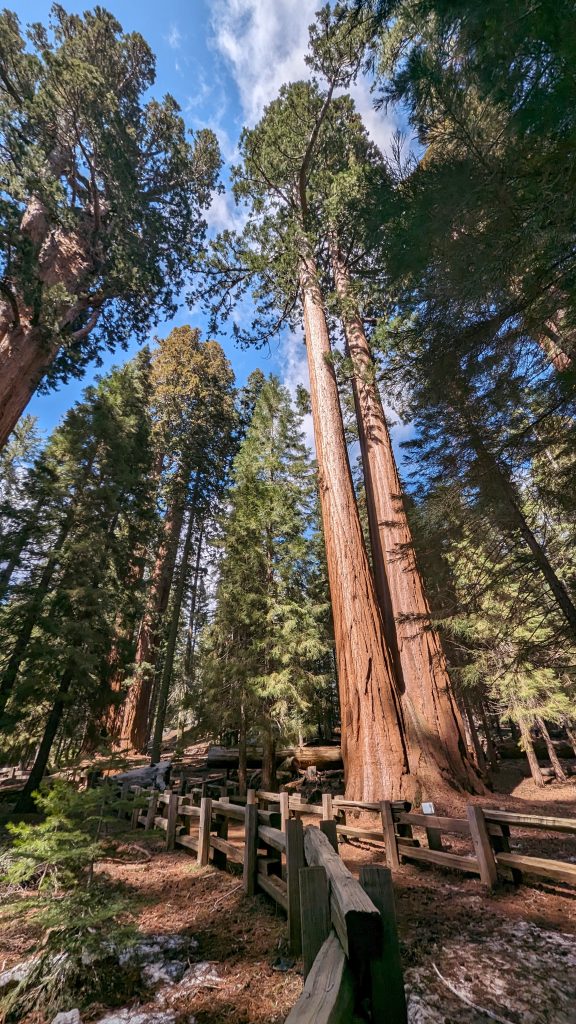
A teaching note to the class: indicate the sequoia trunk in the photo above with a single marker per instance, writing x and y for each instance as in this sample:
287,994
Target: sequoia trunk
434,729
24,359
373,748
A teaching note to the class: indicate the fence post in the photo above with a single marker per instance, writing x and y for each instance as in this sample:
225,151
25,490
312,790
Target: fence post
250,849
329,830
482,845
389,835
433,835
137,809
171,818
251,797
204,831
314,912
327,810
152,808
294,861
284,809
386,980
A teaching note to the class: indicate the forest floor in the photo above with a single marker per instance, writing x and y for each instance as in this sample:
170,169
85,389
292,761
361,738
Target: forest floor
511,953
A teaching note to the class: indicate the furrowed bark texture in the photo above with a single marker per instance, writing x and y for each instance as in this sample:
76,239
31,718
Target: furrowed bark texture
24,359
134,731
373,748
434,729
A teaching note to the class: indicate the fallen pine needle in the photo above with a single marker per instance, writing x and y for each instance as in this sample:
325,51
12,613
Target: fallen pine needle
474,1006
229,893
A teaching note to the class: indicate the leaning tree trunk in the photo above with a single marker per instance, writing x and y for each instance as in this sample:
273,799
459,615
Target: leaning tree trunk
164,689
506,492
530,753
553,756
24,359
134,729
373,747
571,736
25,803
434,729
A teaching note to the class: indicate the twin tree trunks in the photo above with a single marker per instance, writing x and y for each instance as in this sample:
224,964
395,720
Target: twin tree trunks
401,732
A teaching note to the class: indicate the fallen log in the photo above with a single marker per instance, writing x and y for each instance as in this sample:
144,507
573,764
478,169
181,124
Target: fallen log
298,757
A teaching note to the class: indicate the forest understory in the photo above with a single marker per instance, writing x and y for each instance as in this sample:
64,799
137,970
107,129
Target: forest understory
467,956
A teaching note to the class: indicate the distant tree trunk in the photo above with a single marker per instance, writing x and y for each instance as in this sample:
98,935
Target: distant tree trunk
373,747
490,748
530,753
479,752
553,756
164,689
269,761
189,654
134,730
501,482
25,803
571,735
242,753
41,591
19,542
434,729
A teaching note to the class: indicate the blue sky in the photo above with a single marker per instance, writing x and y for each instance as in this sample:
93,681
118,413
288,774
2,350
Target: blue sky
222,60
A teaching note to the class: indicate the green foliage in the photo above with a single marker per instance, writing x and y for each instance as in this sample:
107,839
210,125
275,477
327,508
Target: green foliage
102,194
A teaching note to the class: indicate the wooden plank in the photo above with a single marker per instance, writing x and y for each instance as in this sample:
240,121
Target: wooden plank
160,822
284,810
441,858
537,821
272,837
559,870
250,849
314,913
274,887
354,916
223,809
230,852
389,830
190,842
360,833
459,826
151,812
330,831
271,818
386,978
267,795
188,811
299,807
204,830
328,996
482,845
362,805
171,820
219,855
295,861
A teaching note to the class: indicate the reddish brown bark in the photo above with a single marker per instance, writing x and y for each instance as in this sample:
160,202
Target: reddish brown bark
557,768
24,360
434,729
530,754
374,753
134,729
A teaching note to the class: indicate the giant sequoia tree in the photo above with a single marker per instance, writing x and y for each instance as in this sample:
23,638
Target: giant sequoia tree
102,198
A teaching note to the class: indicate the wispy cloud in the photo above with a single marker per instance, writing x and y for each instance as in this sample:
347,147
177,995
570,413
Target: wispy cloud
174,37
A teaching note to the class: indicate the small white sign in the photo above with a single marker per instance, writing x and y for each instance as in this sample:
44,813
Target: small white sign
428,808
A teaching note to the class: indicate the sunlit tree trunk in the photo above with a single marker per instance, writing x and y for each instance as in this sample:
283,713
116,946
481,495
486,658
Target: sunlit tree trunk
434,730
528,746
373,747
553,756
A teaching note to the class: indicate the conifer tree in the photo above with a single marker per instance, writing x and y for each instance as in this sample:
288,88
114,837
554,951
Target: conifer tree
262,652
100,461
102,198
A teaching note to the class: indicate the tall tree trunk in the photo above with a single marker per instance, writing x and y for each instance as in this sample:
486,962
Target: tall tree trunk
553,756
189,654
373,747
506,491
24,359
168,666
571,735
478,750
20,543
25,803
434,730
41,591
530,753
269,761
490,748
134,730
242,752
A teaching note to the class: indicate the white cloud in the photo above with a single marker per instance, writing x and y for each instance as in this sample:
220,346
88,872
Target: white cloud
174,37
294,363
264,45
224,215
